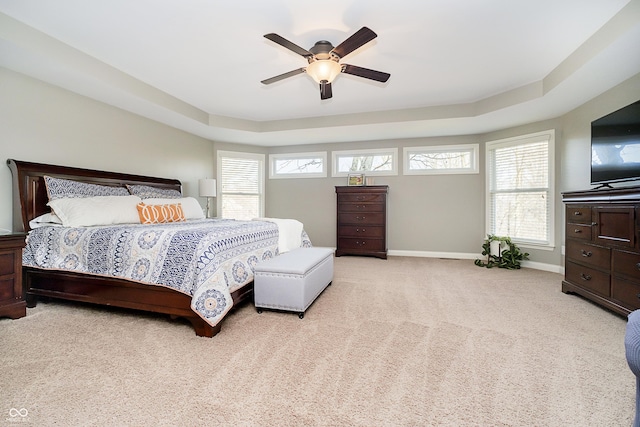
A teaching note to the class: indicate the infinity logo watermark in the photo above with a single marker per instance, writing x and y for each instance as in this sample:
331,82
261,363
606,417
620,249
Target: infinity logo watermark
22,412
18,415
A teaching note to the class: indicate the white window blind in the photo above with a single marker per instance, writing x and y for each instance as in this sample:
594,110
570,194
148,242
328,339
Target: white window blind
520,196
242,185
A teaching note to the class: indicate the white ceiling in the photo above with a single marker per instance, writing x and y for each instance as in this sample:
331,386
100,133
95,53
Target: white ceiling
457,66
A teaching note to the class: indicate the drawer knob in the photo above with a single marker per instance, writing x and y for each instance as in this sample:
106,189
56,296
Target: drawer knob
360,230
584,276
638,296
577,230
585,253
638,266
577,213
361,243
359,218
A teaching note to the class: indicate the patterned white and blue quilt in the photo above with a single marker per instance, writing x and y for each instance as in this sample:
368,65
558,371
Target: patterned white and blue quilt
207,259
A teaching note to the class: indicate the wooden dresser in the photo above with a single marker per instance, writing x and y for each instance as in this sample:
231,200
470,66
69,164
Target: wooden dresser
12,303
602,256
362,221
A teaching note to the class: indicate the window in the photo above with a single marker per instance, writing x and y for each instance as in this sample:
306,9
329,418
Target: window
520,188
441,159
241,177
370,162
299,165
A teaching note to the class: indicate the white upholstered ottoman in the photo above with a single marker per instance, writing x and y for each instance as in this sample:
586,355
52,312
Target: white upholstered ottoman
293,280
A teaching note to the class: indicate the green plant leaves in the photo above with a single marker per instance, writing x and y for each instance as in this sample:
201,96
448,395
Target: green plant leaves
509,258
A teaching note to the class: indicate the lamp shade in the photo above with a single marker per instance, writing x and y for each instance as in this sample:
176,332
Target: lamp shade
324,69
207,187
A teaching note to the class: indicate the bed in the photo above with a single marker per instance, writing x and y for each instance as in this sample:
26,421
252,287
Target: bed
204,305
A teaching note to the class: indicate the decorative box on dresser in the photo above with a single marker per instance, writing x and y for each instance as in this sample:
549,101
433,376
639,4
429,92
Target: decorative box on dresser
602,256
362,220
12,303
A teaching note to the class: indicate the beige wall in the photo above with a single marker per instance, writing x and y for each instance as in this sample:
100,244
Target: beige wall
446,214
575,156
428,215
42,123
425,213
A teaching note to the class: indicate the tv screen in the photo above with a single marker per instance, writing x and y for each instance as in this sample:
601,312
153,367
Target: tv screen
615,146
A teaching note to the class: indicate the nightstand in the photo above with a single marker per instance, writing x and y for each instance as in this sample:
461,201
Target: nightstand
12,303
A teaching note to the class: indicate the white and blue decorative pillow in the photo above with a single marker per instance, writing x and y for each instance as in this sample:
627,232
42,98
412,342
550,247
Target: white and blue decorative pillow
58,188
148,192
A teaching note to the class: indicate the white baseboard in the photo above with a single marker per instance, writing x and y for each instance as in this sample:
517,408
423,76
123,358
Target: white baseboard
426,254
459,255
544,267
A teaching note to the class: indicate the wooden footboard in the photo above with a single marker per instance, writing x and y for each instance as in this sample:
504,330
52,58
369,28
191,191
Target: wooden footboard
120,293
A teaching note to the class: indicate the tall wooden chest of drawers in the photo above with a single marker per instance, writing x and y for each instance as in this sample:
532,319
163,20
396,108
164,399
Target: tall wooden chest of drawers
362,221
602,256
12,303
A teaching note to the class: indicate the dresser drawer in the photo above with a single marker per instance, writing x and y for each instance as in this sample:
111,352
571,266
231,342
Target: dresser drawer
595,256
361,207
361,197
578,214
588,278
374,218
7,263
626,263
361,231
626,292
579,231
363,244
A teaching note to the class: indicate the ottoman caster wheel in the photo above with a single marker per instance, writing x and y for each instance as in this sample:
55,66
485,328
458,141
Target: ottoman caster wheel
259,310
301,315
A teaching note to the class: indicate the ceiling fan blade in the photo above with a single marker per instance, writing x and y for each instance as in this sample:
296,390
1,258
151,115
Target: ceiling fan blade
363,36
365,72
325,90
289,45
283,76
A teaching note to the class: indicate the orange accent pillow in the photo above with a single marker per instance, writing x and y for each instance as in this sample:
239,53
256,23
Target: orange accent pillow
155,214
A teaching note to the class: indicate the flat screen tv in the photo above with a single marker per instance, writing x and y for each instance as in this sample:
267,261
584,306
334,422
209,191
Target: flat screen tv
615,146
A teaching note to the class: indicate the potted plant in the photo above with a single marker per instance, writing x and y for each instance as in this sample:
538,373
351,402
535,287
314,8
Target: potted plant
501,252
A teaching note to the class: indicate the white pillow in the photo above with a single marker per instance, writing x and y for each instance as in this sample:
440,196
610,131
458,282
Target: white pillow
190,206
100,210
46,220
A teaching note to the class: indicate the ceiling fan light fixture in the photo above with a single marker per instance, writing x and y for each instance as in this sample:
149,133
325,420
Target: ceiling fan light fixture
324,70
324,60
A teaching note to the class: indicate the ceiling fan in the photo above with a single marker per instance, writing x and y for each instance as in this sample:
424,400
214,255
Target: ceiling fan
324,60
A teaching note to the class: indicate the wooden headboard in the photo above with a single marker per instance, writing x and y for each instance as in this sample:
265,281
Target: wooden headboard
30,194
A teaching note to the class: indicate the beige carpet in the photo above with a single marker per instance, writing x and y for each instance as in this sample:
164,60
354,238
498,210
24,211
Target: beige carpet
401,342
